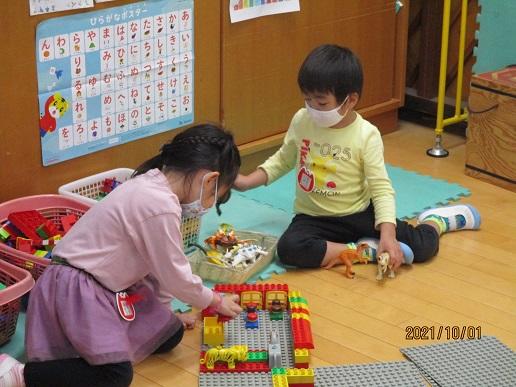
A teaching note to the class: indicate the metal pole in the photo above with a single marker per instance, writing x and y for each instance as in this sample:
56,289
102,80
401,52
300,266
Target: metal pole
438,150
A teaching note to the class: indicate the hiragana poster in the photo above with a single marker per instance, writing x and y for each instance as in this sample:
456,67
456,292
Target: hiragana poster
112,76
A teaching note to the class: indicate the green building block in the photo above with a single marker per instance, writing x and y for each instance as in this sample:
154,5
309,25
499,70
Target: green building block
257,356
276,316
298,299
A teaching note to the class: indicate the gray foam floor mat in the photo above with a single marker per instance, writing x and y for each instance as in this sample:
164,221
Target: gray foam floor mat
483,362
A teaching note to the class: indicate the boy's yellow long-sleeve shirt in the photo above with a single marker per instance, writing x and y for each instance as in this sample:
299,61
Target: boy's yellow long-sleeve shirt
338,171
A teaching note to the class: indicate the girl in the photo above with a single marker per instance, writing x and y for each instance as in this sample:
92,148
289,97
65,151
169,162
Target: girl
104,303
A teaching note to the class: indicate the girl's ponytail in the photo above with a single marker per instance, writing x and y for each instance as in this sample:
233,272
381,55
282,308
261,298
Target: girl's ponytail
204,146
155,162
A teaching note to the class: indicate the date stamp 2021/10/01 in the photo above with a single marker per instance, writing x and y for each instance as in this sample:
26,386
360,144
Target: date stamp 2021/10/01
448,332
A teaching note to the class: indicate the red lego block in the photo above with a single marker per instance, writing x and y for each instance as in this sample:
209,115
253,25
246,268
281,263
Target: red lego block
51,228
68,221
223,318
208,312
222,367
300,310
24,245
302,333
238,288
301,385
107,185
27,222
301,365
275,287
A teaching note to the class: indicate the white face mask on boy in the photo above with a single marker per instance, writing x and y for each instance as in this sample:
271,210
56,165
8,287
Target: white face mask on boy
195,209
326,118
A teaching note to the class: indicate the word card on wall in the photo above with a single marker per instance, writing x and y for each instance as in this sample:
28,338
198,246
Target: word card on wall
112,76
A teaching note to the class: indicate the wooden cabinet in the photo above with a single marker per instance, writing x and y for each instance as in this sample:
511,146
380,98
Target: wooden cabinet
261,57
491,144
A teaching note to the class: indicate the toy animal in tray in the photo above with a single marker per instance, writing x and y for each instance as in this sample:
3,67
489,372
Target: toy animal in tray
226,249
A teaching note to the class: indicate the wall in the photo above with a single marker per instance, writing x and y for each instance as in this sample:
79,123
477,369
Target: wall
496,36
261,58
21,171
245,78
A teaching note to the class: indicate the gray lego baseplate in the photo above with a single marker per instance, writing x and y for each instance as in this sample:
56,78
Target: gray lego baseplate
235,379
484,362
395,374
399,374
235,333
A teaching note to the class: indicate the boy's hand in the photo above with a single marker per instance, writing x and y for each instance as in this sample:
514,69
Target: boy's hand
230,306
391,246
253,180
240,183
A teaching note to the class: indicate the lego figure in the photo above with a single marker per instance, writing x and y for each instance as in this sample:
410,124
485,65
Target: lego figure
276,311
251,319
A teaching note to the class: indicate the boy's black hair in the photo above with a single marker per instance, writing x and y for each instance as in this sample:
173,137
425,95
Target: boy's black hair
331,69
203,146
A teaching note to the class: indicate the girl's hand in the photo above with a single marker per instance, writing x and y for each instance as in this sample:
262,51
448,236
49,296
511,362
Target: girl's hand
230,305
391,246
188,319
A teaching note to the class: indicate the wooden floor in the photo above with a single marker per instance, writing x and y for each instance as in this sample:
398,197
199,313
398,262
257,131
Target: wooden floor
471,282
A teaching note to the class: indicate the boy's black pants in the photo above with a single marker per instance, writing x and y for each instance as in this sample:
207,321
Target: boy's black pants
303,244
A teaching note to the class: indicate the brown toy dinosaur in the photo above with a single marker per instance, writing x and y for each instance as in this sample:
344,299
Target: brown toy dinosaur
349,256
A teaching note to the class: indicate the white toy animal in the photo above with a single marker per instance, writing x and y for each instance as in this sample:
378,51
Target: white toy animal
383,264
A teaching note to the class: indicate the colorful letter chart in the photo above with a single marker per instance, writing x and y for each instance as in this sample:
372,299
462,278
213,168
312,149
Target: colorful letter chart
112,76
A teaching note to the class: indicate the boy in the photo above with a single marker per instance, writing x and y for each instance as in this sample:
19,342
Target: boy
343,192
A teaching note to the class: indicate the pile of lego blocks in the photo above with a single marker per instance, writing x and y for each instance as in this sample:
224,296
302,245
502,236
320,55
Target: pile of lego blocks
32,233
108,185
274,301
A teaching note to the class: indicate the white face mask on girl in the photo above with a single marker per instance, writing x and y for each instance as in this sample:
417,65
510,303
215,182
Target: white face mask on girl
195,209
326,118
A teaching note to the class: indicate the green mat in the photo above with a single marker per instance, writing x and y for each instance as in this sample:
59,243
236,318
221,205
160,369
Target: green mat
414,192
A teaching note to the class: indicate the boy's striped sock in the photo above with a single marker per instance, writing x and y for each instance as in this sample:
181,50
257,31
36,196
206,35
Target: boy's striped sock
441,222
11,372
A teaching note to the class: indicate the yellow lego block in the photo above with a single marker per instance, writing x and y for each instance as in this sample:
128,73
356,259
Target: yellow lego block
300,305
301,355
294,294
279,381
301,315
213,332
300,375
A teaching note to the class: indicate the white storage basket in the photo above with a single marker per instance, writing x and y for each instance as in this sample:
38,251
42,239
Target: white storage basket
89,188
